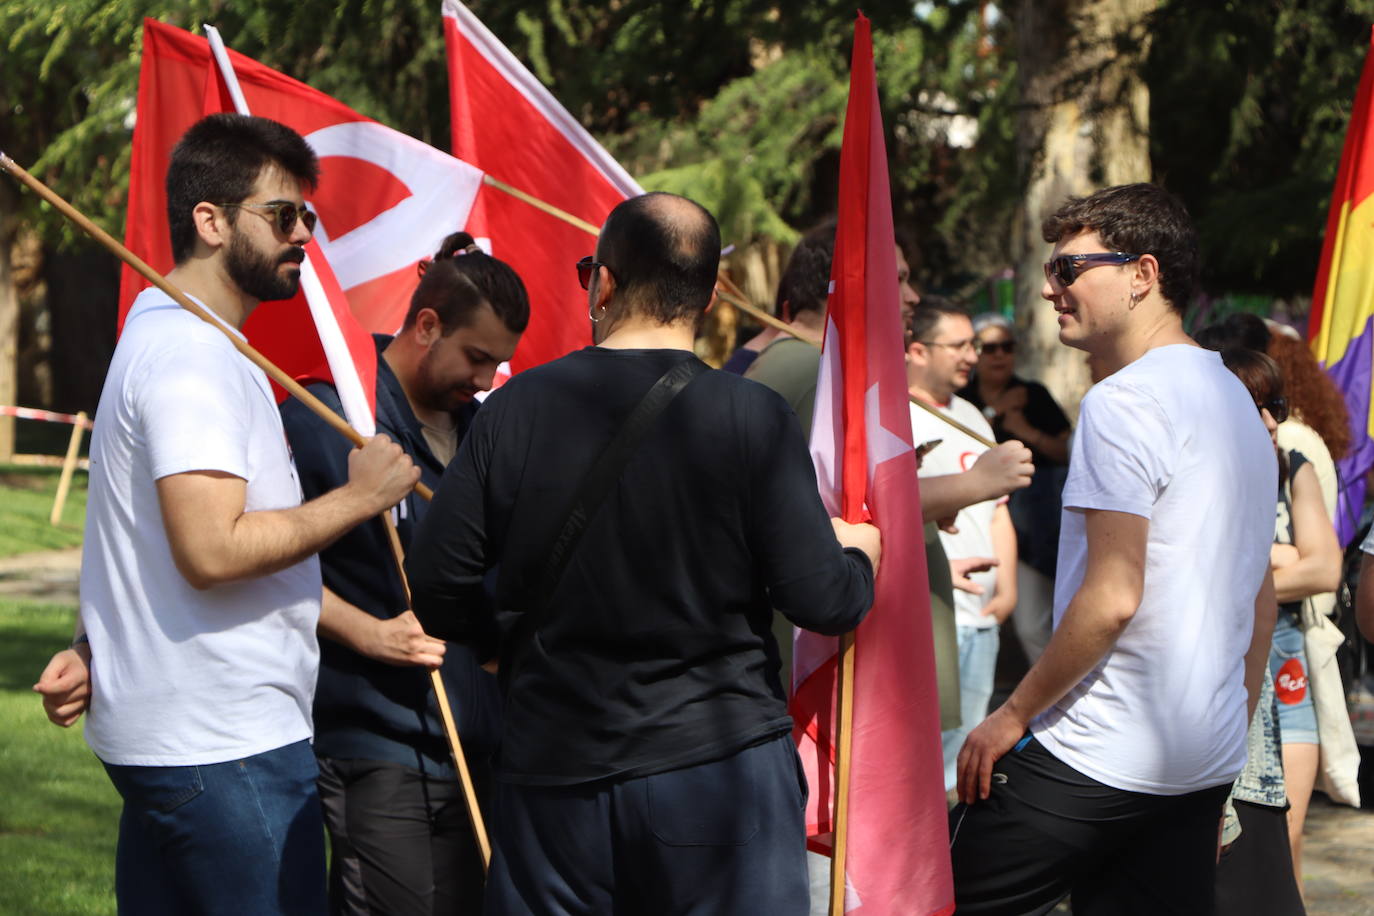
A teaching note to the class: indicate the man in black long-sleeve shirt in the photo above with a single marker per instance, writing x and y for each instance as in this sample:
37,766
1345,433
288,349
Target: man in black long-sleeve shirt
646,763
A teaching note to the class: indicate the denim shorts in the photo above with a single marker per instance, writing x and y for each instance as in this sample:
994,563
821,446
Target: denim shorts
1288,664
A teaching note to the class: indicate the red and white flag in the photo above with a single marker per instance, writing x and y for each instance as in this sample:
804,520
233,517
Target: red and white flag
385,200
507,124
897,834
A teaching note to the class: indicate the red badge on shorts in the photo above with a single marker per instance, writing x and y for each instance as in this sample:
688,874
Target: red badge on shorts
1291,684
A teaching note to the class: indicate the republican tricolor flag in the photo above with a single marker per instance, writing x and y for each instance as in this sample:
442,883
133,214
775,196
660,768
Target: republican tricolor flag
897,835
1341,326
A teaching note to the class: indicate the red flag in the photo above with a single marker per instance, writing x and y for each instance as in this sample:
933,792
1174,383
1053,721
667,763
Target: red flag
507,124
898,840
384,201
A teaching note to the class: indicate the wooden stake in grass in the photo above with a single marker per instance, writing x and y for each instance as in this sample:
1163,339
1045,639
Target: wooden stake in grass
68,466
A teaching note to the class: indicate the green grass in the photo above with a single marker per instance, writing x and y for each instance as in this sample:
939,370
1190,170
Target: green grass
60,814
26,498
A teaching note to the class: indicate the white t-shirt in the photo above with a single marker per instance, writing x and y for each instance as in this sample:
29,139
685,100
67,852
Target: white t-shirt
182,676
956,454
1175,438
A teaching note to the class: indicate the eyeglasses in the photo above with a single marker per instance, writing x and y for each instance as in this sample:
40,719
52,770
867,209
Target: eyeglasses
997,346
586,268
1278,409
285,213
970,344
1065,268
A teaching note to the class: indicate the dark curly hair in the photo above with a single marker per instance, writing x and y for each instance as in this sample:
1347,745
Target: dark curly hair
1315,399
1137,219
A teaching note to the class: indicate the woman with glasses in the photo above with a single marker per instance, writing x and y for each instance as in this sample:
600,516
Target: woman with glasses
1024,410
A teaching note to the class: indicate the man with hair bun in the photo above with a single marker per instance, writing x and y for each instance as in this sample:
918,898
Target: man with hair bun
646,762
1105,772
401,840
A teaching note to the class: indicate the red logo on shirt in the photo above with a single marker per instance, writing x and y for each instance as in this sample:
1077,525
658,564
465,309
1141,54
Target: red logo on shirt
1291,684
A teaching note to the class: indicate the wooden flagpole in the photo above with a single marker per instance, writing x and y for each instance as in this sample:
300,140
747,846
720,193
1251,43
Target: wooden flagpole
309,400
479,827
845,727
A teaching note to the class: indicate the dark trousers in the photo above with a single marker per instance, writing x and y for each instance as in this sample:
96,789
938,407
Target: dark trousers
1046,831
720,838
401,842
1255,874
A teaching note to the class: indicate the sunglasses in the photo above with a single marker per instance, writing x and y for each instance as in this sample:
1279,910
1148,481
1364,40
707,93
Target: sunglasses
1000,346
1066,268
1278,409
585,269
284,213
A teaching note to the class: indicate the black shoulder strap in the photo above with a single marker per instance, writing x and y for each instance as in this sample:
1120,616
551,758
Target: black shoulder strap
592,491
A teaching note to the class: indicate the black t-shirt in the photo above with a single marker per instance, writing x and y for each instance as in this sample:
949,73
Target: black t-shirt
656,652
1041,411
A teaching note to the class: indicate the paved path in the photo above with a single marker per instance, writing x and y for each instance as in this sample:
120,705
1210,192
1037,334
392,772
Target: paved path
1339,865
47,575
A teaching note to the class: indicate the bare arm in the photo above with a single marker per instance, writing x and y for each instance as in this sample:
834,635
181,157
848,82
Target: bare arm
1318,567
997,472
1003,600
398,640
214,540
1257,656
1099,612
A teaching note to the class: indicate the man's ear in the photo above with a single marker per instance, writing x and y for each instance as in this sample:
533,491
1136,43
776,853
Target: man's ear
916,353
1146,275
715,297
428,327
211,223
605,289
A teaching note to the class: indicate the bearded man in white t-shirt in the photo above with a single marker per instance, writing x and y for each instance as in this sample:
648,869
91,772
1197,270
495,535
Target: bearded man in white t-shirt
200,589
1105,772
940,353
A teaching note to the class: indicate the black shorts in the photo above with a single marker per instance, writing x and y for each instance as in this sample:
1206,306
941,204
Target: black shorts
1047,831
1255,874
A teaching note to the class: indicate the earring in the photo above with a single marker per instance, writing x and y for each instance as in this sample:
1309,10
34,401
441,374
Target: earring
594,319
1135,299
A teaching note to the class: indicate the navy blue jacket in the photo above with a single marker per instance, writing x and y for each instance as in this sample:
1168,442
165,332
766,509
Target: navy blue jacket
364,709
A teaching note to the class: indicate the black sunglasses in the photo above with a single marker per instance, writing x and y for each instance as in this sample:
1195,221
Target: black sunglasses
999,346
1065,268
585,268
1277,407
284,213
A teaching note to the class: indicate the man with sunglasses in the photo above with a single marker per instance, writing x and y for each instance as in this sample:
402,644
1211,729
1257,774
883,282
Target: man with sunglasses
1105,772
200,589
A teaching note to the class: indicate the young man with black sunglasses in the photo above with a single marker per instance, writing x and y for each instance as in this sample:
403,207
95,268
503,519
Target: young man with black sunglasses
1105,772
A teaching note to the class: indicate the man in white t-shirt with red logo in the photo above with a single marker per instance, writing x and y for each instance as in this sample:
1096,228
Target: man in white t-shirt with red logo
940,353
1105,772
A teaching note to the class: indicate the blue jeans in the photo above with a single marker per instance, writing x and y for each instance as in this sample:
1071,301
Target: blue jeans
977,667
245,836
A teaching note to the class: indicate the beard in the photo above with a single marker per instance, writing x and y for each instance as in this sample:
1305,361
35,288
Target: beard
258,274
436,393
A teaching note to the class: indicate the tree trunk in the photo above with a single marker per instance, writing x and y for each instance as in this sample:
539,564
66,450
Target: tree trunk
1084,125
